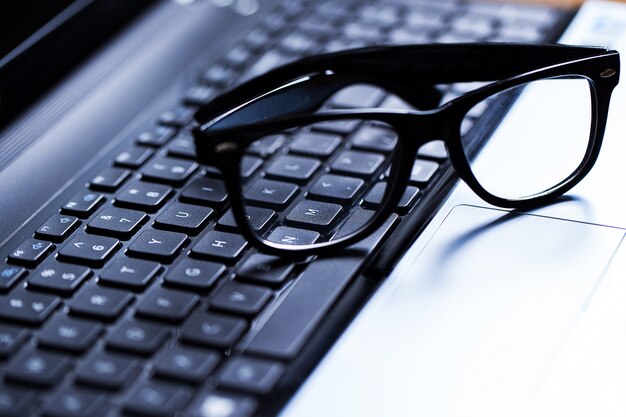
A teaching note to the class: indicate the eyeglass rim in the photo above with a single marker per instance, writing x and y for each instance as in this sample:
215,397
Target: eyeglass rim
586,67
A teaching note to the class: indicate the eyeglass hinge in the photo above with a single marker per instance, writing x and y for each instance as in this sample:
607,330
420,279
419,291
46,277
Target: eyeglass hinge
608,73
226,147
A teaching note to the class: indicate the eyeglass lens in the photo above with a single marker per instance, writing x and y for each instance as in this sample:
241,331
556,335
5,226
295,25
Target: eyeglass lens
540,143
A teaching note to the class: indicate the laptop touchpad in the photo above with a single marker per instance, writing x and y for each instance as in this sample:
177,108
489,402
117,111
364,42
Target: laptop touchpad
496,316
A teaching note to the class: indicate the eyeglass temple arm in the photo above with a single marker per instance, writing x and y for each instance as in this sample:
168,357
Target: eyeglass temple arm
310,96
397,68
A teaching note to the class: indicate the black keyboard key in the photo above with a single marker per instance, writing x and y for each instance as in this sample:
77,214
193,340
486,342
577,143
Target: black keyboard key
259,218
89,249
374,198
375,138
35,367
358,218
194,274
31,252
199,95
15,402
187,364
182,147
219,75
58,277
69,334
138,337
238,56
435,149
168,170
360,164
315,215
98,302
133,157
82,204
107,370
297,43
116,222
336,189
266,62
233,405
340,126
312,295
221,245
240,298
293,168
179,116
265,269
249,165
271,194
10,275
57,228
26,307
157,137
157,399
157,244
109,179
11,338
143,196
423,171
358,96
257,376
168,305
291,236
316,144
266,146
185,218
129,273
216,330
205,191
74,403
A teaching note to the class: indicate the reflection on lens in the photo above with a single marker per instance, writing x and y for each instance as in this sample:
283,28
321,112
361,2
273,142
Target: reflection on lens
301,186
540,143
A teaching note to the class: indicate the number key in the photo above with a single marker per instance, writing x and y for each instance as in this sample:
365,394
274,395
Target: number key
31,252
143,196
109,179
118,222
57,228
82,204
57,277
89,249
169,170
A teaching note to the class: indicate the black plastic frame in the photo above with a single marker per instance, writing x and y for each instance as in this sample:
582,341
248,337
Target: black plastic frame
286,98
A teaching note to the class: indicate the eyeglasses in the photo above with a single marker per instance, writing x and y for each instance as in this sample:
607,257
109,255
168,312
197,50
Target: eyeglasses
562,95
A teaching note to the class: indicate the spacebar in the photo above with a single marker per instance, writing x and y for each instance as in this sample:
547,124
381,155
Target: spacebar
309,300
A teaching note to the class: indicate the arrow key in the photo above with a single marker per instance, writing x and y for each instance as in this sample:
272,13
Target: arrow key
240,298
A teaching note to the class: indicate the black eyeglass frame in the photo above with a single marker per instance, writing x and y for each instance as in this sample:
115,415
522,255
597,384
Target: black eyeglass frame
415,68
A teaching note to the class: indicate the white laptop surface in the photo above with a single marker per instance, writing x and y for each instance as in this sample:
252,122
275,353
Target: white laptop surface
493,314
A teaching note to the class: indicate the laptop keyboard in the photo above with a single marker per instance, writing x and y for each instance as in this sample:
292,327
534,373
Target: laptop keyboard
137,296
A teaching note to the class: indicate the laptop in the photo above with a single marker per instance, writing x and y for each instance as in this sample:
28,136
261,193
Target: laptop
97,320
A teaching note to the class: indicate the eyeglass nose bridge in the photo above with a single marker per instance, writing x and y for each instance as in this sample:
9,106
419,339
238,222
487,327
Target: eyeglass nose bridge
421,127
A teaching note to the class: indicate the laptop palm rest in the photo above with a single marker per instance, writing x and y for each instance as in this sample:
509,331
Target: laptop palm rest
491,317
